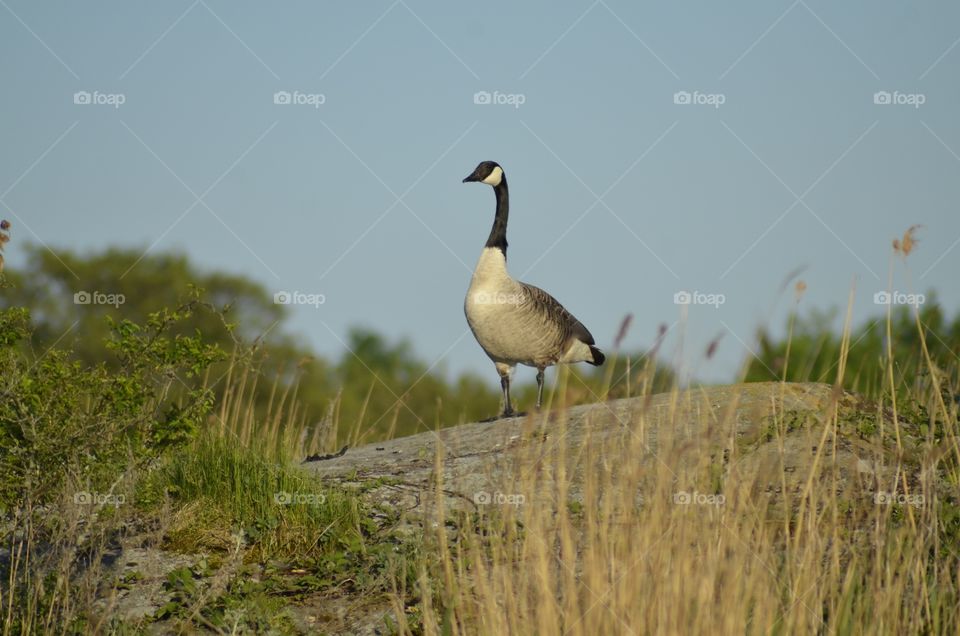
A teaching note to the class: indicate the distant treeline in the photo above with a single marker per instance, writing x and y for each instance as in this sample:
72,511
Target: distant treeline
377,386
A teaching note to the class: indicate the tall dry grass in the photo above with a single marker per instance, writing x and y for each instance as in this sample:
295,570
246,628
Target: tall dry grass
627,557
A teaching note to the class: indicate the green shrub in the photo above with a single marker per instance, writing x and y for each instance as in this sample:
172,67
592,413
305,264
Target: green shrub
60,419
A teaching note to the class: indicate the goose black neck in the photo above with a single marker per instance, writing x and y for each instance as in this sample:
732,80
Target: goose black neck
498,234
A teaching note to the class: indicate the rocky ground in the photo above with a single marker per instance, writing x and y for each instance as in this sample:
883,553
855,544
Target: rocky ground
764,441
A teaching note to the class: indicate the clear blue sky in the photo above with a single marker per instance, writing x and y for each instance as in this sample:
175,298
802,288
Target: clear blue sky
798,167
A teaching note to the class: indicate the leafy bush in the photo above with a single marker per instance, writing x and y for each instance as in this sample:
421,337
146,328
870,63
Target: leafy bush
60,419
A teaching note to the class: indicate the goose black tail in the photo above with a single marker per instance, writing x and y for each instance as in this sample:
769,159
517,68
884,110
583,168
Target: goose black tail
598,356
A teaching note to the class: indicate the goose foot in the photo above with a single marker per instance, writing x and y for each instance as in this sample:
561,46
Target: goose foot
506,415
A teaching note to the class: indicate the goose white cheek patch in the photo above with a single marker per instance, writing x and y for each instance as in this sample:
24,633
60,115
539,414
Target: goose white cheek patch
494,177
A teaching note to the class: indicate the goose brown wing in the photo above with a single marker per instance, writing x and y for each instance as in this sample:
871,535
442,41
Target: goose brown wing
552,312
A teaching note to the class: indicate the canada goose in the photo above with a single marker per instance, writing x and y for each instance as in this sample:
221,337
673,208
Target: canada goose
516,323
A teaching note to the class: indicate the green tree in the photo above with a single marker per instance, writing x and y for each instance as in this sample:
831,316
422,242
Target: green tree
140,284
815,349
402,392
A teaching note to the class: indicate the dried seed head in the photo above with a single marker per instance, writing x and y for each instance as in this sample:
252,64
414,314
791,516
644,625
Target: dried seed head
906,244
799,288
622,333
712,347
4,227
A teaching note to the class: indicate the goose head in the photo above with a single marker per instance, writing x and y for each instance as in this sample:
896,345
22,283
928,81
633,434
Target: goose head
488,172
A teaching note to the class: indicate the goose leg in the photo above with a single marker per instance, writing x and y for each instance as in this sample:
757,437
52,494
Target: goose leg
505,370
539,387
505,385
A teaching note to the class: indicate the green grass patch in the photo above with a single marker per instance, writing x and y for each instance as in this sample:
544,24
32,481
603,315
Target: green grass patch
226,493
